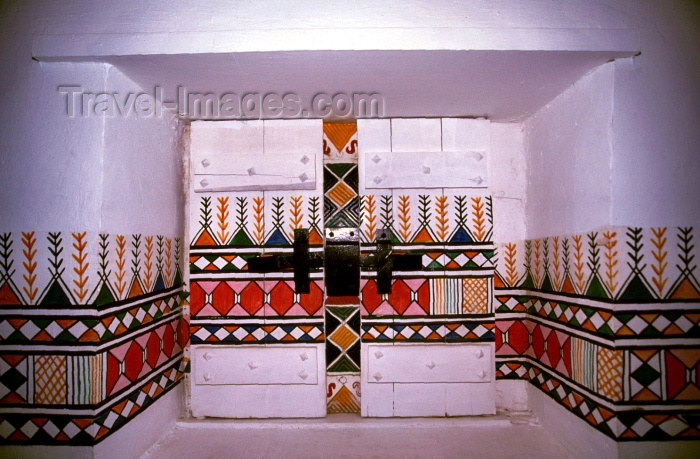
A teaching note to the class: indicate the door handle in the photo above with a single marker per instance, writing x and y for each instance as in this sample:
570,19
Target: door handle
386,263
301,261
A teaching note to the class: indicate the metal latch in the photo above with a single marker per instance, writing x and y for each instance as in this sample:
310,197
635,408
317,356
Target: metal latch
341,260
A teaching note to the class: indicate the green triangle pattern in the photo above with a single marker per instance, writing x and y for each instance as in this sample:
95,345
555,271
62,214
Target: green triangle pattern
596,289
55,296
104,296
343,364
528,283
342,220
178,278
241,239
546,283
340,169
342,312
636,290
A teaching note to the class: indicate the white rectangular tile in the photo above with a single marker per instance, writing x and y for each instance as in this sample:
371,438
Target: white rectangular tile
416,134
230,138
293,136
460,134
373,135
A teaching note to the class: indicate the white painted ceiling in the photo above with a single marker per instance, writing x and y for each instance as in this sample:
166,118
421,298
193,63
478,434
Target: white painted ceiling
501,85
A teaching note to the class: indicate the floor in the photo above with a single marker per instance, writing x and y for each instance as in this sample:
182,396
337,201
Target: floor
349,436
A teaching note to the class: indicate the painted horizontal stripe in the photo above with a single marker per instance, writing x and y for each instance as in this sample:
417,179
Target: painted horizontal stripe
613,341
613,406
475,272
607,305
229,321
88,310
108,403
79,348
427,320
313,275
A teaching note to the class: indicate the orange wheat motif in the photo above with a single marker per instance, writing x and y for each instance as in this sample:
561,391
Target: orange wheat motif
120,284
148,273
80,257
580,282
297,214
29,252
221,217
168,260
611,261
479,222
370,207
404,217
556,263
659,254
536,265
443,221
511,271
259,225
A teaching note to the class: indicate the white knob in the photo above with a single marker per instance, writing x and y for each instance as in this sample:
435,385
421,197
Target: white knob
208,376
426,170
430,365
205,162
378,354
252,365
303,375
304,159
207,356
378,376
478,353
376,159
304,356
204,183
478,156
377,180
303,177
481,374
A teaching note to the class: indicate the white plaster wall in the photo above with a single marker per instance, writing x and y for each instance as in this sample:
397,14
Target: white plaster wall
94,173
568,145
142,185
197,15
656,142
161,27
50,164
620,146
508,181
144,431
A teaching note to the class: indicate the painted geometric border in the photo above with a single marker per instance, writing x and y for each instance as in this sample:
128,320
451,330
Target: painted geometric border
647,425
436,330
54,329
52,429
216,332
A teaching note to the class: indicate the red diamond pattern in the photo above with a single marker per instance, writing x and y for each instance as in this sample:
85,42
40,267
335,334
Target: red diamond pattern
312,302
512,338
252,298
281,298
152,350
408,297
538,342
222,298
400,296
553,349
131,361
370,298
